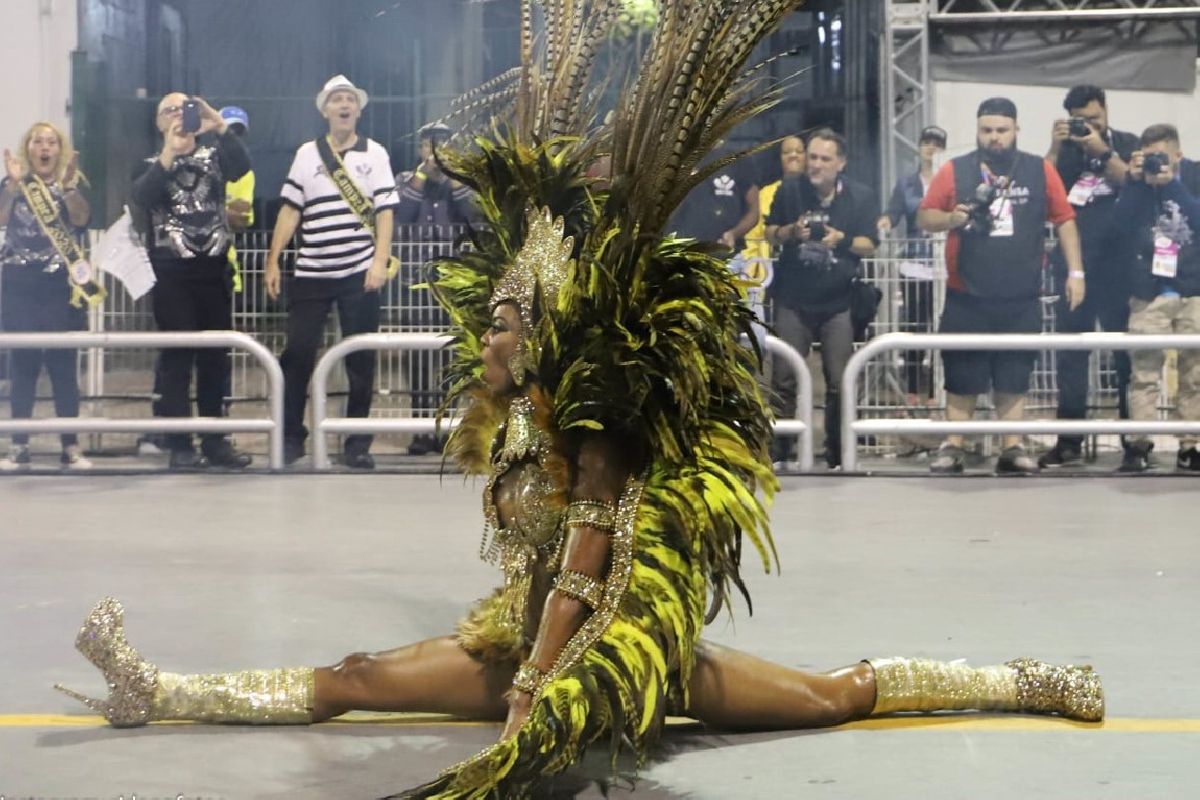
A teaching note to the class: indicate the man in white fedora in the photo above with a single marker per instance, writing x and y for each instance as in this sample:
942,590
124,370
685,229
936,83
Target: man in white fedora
341,194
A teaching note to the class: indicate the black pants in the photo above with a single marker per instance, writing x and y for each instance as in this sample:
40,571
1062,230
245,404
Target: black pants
1106,302
836,335
192,295
918,318
358,312
35,301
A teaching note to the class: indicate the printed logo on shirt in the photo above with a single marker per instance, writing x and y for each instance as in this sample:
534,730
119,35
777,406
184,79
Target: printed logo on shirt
723,185
1173,224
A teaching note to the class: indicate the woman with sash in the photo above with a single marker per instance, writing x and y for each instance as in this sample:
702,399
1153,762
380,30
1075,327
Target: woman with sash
43,276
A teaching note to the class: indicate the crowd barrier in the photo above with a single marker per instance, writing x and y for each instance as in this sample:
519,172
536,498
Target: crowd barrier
272,425
323,424
853,427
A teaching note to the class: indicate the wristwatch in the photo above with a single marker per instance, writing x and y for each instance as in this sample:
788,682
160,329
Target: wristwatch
1101,160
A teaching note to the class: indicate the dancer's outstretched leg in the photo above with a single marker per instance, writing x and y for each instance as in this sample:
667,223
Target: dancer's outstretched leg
731,689
435,676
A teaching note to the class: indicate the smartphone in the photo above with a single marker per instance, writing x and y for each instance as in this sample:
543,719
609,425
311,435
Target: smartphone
191,116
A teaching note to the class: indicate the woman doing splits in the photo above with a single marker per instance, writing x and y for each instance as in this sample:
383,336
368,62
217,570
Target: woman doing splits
620,425
45,213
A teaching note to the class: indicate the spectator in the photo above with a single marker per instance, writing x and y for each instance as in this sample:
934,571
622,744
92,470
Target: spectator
995,203
825,224
723,209
345,243
180,208
792,161
239,194
36,284
916,267
433,207
1159,209
1093,161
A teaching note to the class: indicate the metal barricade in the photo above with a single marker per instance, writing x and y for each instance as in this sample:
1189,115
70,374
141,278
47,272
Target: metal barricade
853,427
323,424
272,426
801,426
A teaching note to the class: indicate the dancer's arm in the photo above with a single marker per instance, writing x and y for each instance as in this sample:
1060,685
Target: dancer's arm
600,477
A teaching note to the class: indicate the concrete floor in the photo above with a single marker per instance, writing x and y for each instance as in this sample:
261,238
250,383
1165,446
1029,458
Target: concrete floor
220,573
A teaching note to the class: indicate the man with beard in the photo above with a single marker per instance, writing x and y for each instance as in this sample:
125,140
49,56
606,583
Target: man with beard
1092,159
825,224
995,202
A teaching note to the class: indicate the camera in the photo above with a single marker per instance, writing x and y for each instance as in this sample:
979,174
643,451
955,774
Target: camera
1079,127
979,215
190,118
1155,163
816,222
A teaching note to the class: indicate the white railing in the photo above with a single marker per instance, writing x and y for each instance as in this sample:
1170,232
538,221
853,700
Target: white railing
272,426
800,426
852,427
323,424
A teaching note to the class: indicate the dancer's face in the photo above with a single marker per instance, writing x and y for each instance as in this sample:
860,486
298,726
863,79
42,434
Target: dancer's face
499,346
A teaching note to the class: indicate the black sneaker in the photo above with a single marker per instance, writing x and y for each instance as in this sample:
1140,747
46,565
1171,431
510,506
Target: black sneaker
358,461
1188,460
1015,461
948,460
187,459
423,444
1061,455
293,451
1136,458
224,455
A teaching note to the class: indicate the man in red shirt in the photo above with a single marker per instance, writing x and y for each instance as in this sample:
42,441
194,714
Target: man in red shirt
995,203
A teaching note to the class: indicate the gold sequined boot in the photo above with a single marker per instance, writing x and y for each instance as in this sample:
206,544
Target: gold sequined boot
139,693
1022,685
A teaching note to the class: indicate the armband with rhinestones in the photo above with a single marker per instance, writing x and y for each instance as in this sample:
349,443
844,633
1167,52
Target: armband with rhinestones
580,586
591,514
528,679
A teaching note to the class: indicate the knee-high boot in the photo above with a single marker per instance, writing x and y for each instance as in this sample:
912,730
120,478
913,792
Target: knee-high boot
1021,685
138,692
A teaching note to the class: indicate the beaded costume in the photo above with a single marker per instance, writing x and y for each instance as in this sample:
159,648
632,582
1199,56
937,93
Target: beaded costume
625,333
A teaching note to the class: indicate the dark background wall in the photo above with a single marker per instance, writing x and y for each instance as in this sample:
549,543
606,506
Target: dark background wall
271,56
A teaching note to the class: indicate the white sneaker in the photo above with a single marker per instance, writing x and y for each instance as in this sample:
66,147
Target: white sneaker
17,459
72,458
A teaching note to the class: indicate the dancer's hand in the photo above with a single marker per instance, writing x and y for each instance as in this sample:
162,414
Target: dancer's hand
518,711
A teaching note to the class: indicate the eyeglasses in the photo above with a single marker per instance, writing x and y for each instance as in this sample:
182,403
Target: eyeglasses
170,111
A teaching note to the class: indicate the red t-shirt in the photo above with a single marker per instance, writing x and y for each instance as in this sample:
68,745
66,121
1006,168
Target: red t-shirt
941,196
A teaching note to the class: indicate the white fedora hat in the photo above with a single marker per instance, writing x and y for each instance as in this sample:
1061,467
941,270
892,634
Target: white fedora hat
339,82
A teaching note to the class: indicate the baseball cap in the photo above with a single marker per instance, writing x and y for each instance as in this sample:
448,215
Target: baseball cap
998,107
933,133
235,115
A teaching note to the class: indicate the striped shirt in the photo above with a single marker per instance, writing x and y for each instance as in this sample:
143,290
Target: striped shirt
333,242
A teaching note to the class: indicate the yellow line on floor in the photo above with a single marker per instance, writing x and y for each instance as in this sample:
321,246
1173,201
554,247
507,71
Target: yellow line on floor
947,722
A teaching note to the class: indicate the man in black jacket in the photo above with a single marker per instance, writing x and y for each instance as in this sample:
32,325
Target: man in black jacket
180,204
825,224
1092,159
1159,211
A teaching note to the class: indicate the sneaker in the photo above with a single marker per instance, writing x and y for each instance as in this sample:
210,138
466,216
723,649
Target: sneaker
948,461
148,446
1136,458
293,451
225,455
833,459
358,461
17,460
1188,460
1015,461
72,458
1060,455
187,459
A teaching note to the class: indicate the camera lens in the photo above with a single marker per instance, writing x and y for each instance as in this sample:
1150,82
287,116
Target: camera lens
1079,127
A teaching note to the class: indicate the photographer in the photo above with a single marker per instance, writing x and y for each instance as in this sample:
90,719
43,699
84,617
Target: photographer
179,202
825,225
995,202
1159,211
1092,159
